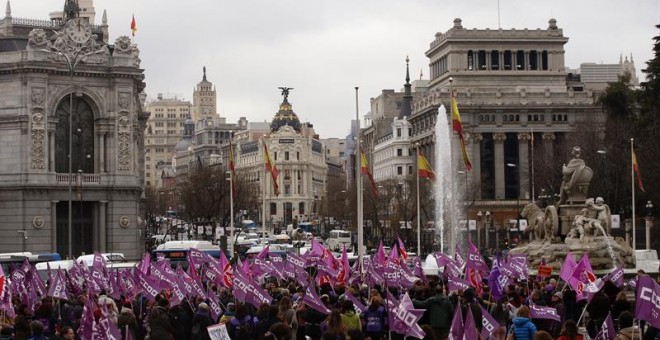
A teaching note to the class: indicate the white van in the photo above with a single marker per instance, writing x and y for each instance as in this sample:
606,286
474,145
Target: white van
88,260
337,239
42,267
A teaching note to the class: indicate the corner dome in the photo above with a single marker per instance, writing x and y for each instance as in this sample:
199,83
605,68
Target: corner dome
285,116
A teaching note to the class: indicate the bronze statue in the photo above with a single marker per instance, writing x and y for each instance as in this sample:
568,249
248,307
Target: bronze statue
285,92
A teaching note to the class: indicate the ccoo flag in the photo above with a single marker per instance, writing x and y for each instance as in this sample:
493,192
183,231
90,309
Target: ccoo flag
458,127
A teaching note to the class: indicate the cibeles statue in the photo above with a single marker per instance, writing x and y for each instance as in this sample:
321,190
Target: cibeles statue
576,178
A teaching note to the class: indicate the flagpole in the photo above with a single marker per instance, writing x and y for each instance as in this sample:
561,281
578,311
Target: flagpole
263,198
419,228
632,190
358,179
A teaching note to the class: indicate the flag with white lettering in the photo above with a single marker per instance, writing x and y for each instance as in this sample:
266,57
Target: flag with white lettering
455,284
456,329
568,267
475,260
441,259
214,306
357,303
488,323
615,276
149,285
406,317
312,300
607,331
58,287
647,301
543,312
247,290
470,328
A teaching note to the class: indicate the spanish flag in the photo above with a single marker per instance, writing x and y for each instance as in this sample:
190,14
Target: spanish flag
636,169
365,170
424,168
133,26
458,127
231,170
270,167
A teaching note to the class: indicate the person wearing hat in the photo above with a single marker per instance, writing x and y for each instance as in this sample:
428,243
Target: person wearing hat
201,320
556,302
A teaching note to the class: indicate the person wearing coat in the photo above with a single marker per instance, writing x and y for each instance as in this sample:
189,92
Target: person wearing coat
522,328
159,322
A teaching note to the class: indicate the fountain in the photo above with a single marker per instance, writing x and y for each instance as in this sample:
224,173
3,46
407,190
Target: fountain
584,225
446,207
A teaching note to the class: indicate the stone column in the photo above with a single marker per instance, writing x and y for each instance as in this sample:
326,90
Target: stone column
53,226
488,61
526,66
103,207
649,226
499,139
101,155
476,161
523,157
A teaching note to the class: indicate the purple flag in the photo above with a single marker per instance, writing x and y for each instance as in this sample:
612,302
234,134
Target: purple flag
150,286
357,303
312,300
458,259
86,329
470,331
245,289
442,259
475,260
452,270
418,270
616,276
177,294
144,264
568,267
488,323
607,331
542,312
455,283
406,317
647,306
214,304
496,281
456,330
58,287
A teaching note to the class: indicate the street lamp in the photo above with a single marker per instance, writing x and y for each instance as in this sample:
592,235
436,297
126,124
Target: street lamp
231,207
649,223
513,165
77,46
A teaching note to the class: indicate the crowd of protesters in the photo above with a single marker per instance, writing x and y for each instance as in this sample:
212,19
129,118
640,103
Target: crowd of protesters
288,318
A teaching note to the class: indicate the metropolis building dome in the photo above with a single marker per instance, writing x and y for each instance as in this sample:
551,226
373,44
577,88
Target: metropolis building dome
285,116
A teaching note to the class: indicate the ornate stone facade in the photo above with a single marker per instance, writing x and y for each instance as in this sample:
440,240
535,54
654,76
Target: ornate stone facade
37,181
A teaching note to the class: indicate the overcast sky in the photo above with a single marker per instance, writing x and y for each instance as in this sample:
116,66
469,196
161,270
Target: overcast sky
323,49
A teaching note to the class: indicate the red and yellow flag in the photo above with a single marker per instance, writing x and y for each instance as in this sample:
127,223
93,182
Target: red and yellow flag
270,167
231,170
133,26
458,127
636,169
365,170
424,168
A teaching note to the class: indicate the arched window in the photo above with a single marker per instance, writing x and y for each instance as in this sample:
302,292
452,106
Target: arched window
82,138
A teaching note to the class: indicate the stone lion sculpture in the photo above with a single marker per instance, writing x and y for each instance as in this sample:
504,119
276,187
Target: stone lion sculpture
537,224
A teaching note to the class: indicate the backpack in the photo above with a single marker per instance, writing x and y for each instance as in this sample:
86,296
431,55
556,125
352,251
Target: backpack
374,320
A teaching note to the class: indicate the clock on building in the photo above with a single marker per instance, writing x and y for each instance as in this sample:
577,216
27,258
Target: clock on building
78,30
